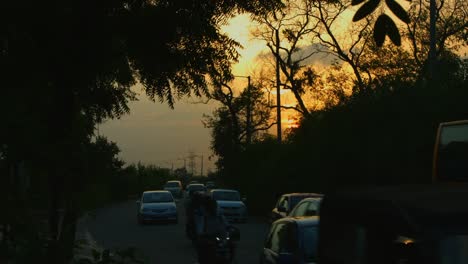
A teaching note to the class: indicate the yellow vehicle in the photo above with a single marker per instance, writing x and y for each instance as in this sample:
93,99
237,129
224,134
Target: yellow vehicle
451,152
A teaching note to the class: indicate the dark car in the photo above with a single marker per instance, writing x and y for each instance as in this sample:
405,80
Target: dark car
306,207
410,224
210,185
192,188
287,202
175,187
291,241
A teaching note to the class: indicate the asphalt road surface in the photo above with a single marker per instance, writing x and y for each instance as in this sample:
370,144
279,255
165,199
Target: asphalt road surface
116,227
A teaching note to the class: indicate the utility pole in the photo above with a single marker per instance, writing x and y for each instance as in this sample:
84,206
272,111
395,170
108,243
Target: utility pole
432,36
191,158
278,89
201,171
249,115
185,164
248,129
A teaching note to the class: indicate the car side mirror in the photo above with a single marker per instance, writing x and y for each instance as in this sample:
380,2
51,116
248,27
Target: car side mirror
282,209
285,258
244,199
138,202
234,233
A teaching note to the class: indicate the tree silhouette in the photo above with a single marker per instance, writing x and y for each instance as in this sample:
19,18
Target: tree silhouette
67,66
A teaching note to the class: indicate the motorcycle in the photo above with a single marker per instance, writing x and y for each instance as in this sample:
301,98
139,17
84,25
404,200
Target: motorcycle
219,249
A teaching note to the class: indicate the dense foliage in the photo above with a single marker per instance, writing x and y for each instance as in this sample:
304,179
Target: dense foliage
384,135
65,67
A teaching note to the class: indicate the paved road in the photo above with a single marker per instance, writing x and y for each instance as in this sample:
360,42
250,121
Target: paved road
116,226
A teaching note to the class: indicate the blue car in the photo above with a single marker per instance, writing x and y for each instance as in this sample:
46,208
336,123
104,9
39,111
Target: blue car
291,240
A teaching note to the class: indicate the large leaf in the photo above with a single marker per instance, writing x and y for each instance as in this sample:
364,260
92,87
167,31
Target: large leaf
385,26
380,31
366,9
356,2
392,31
398,10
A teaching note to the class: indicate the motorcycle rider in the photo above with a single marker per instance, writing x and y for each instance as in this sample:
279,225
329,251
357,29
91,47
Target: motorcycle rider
194,212
214,225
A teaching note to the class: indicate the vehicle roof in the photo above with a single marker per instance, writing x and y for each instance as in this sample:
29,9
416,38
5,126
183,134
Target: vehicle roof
457,122
224,190
303,194
431,203
301,221
196,184
311,199
174,181
157,191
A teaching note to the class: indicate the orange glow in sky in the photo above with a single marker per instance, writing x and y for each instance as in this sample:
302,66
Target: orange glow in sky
239,29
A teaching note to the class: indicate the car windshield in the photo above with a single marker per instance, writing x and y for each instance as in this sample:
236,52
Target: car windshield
454,249
310,243
226,196
172,184
295,200
157,197
452,160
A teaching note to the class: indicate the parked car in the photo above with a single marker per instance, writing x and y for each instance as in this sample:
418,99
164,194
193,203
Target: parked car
306,207
287,202
230,204
291,241
175,187
156,206
395,224
194,187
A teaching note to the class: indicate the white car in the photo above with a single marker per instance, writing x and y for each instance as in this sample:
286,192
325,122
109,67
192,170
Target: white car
156,206
230,204
175,187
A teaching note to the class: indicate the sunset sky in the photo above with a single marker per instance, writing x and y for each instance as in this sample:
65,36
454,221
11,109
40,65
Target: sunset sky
155,134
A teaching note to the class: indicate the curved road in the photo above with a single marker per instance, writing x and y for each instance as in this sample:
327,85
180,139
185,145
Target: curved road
116,227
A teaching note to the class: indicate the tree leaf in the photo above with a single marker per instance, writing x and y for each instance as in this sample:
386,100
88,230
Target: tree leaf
366,9
356,2
398,10
380,30
392,31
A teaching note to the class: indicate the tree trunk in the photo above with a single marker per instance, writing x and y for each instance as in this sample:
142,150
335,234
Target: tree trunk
67,236
53,218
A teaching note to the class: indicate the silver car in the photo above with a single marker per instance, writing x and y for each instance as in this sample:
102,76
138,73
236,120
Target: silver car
175,187
156,206
230,204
